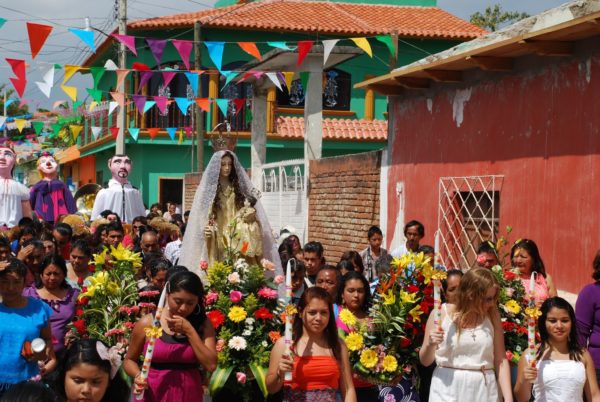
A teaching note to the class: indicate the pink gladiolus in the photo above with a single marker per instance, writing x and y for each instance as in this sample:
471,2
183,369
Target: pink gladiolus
235,296
203,265
241,377
220,345
267,293
211,297
279,279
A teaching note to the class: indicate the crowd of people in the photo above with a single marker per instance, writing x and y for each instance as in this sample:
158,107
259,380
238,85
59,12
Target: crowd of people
43,268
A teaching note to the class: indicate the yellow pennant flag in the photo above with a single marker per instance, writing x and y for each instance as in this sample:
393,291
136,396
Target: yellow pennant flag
75,130
289,77
70,91
180,136
363,43
20,124
92,106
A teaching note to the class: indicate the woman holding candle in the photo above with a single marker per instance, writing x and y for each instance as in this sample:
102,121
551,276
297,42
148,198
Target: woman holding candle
469,347
186,341
562,369
526,257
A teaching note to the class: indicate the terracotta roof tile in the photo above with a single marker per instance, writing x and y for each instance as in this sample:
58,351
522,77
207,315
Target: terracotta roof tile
324,17
335,129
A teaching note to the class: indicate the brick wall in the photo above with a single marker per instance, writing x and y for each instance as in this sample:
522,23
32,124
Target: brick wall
191,181
343,202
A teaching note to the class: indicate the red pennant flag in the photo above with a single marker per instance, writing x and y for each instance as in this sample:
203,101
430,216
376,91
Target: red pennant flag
203,103
114,131
38,34
19,85
239,105
140,66
18,67
304,47
153,132
251,49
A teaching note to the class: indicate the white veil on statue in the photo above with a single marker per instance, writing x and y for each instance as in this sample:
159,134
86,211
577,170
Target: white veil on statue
194,249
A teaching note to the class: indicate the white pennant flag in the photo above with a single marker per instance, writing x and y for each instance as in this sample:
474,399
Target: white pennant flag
110,65
273,77
112,106
48,82
96,132
2,120
328,46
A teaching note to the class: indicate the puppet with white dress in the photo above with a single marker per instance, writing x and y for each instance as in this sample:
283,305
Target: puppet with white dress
14,196
120,196
50,197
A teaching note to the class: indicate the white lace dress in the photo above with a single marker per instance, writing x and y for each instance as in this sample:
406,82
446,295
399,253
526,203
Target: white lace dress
559,380
465,364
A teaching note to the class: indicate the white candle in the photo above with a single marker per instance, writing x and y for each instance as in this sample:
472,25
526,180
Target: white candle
437,248
531,320
437,304
288,319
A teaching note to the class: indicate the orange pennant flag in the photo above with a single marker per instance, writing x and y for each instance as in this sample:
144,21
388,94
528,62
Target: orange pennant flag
203,103
251,49
38,34
121,74
153,132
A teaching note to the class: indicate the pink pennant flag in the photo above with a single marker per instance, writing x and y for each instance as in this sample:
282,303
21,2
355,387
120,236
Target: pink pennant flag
144,78
23,102
161,103
167,77
140,101
119,97
157,47
184,47
188,131
128,41
121,74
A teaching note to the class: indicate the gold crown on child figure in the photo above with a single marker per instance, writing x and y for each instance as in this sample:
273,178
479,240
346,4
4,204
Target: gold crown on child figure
222,138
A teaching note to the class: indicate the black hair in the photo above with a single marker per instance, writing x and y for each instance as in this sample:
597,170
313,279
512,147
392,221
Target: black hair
37,244
487,247
15,266
419,225
373,230
345,265
156,204
146,229
25,221
83,351
106,212
383,264
355,259
141,219
83,246
186,213
175,269
596,266
28,230
156,265
29,391
4,242
314,247
64,230
450,273
331,333
534,253
426,249
252,200
575,349
191,283
351,275
114,226
57,260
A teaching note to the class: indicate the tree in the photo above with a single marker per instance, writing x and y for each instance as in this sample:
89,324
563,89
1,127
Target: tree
493,17
13,109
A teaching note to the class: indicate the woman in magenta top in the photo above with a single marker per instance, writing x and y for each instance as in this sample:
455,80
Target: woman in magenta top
526,257
320,366
587,311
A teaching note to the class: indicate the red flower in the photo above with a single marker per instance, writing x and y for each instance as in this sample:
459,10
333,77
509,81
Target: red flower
263,313
522,330
428,291
78,312
405,342
83,301
216,318
80,326
510,276
508,326
412,289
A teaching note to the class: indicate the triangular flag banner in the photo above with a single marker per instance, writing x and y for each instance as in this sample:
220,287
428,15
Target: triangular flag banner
121,74
119,97
8,102
304,47
157,47
96,132
44,88
188,131
193,79
279,45
153,132
86,37
215,52
69,71
2,120
112,106
251,49
180,137
134,132
2,21
172,131
75,130
37,126
140,66
328,46
289,77
222,104
304,80
248,116
363,43
140,101
20,123
70,91
96,94
275,80
239,105
110,65
183,104
46,85
203,103
56,129
161,103
92,106
229,75
114,131
144,78
76,104
184,47
97,73
18,68
19,85
128,41
389,42
148,105
38,34
167,77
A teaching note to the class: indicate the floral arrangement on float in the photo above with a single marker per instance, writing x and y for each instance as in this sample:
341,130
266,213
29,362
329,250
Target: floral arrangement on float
385,348
242,305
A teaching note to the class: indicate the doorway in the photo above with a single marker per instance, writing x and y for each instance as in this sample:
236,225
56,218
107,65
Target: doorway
170,190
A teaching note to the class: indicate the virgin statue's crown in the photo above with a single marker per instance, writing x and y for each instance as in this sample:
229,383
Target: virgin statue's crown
222,138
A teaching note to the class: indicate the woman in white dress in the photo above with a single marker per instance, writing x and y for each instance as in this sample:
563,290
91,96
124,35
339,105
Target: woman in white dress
563,370
468,346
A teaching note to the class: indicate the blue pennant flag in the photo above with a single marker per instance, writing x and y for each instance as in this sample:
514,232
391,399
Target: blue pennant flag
134,132
215,51
222,104
193,79
86,37
148,105
172,131
183,104
229,75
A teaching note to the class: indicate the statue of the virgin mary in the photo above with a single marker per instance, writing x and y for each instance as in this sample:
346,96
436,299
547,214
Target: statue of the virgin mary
219,198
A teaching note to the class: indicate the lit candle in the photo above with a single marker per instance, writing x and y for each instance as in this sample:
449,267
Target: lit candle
531,320
288,318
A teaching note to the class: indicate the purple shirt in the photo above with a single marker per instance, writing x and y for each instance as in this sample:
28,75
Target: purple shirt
587,311
49,199
64,310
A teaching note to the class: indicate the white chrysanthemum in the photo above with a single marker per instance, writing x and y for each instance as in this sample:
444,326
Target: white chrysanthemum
237,343
250,321
234,278
264,344
241,265
247,333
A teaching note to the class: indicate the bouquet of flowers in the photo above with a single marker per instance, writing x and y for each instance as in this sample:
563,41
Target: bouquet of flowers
385,348
242,305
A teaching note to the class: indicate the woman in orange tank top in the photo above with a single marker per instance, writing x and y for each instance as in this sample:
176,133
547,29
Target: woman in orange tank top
318,362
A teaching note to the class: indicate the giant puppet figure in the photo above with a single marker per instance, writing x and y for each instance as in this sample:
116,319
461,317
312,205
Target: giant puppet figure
50,197
14,197
120,196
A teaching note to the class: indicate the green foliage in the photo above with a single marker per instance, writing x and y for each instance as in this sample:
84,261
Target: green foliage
494,17
217,275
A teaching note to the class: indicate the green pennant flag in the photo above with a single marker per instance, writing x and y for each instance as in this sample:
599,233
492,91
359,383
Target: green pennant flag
248,116
97,73
389,42
96,94
38,126
56,127
2,21
76,104
304,81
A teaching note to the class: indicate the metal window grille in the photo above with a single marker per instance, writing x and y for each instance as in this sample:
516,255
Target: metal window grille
468,214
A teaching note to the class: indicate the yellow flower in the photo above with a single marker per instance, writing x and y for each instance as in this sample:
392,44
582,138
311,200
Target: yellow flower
354,341
368,358
290,310
100,259
439,275
390,364
347,317
121,253
389,298
533,312
408,297
153,332
237,314
512,306
415,313
112,287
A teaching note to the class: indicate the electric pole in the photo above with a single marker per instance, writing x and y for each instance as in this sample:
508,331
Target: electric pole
199,120
122,115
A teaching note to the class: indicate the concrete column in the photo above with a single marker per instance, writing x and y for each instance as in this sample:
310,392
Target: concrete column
258,138
313,108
